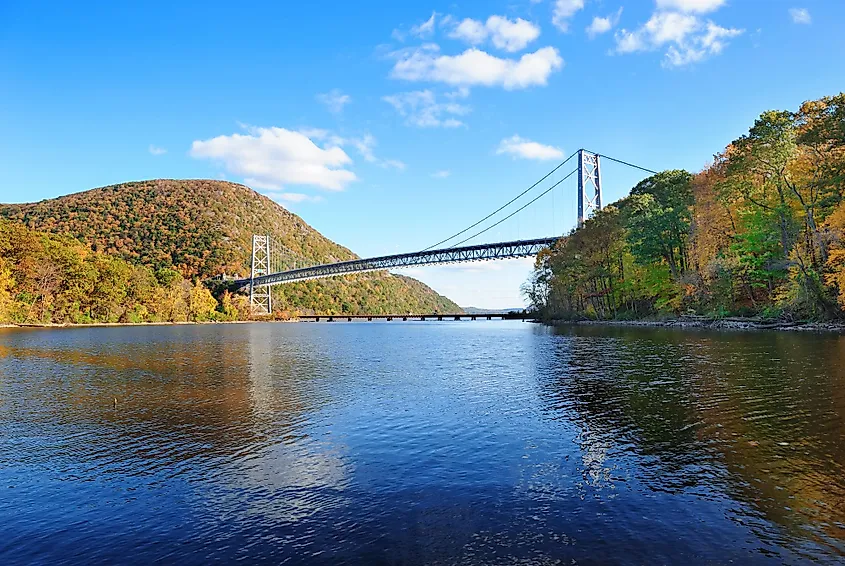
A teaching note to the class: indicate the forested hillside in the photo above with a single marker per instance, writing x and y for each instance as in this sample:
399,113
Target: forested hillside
46,278
761,231
170,234
198,227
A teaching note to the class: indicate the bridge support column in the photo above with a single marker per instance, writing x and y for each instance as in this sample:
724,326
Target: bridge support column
589,185
260,301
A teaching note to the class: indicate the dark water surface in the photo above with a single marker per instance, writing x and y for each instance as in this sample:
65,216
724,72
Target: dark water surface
421,443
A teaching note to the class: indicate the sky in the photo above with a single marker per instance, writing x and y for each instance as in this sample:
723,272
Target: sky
389,126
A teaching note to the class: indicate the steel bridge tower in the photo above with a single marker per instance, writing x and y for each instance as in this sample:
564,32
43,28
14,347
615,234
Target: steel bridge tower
260,300
589,185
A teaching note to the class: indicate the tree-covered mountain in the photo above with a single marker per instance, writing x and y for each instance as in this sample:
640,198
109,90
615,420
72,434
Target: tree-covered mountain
204,228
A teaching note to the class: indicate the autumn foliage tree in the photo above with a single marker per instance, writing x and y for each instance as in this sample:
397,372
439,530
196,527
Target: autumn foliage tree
759,231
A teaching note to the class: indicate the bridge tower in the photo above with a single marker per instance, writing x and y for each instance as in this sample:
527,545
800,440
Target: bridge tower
589,185
259,296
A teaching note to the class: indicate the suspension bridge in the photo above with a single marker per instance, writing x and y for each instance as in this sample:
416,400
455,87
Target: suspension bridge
589,194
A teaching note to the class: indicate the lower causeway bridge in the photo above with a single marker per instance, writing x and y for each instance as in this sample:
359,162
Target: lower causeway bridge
514,315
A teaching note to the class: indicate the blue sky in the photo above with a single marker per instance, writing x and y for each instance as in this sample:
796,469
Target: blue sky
391,125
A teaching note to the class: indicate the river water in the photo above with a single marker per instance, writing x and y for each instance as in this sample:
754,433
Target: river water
421,443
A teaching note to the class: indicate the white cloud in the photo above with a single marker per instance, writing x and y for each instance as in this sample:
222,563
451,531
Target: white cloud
334,100
603,25
461,92
364,145
471,31
425,29
155,150
476,67
422,30
422,109
393,164
271,158
510,35
687,39
441,174
563,11
800,16
598,26
518,147
699,6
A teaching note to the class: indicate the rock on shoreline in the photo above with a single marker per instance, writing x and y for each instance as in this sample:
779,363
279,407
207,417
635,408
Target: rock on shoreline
714,324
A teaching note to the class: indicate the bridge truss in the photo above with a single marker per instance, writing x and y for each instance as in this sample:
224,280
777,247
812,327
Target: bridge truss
483,252
263,276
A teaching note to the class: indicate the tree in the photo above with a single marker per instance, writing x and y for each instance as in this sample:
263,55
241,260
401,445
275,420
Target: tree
658,219
7,284
758,165
202,303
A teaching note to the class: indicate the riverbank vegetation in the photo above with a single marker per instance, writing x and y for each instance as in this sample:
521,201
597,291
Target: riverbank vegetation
138,252
55,279
47,279
761,231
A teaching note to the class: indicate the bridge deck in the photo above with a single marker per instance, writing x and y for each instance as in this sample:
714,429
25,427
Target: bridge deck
422,317
483,252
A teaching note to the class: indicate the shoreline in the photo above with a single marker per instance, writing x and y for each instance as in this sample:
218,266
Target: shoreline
730,323
711,324
123,324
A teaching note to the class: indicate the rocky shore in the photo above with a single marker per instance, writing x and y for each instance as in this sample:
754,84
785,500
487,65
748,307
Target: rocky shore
733,323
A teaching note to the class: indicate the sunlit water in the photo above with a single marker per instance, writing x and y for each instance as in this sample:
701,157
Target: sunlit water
421,443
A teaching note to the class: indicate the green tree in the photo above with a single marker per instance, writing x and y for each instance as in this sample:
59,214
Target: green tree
658,219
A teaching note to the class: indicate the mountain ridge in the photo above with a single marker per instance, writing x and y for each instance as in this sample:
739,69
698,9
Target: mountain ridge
203,228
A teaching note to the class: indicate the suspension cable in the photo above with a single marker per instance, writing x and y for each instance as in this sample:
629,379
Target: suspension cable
623,162
468,228
535,199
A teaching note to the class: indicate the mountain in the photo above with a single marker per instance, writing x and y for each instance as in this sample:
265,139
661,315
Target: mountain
203,228
476,310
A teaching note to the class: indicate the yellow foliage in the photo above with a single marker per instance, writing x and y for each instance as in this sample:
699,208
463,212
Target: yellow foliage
835,276
6,285
202,303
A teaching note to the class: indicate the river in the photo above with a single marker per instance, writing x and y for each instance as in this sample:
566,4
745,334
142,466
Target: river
421,443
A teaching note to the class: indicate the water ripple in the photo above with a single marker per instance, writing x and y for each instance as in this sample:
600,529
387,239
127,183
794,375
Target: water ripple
412,443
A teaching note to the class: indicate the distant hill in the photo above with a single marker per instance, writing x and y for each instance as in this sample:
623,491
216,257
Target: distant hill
203,228
475,310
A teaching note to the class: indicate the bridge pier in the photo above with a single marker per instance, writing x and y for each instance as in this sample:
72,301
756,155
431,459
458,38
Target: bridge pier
260,298
589,185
